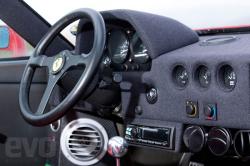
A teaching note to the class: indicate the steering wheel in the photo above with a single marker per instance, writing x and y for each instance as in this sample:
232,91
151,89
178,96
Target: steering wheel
57,66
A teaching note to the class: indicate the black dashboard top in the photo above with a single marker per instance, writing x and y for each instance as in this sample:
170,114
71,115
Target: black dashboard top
159,34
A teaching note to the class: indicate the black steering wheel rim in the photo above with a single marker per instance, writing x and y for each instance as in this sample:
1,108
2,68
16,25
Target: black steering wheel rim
66,59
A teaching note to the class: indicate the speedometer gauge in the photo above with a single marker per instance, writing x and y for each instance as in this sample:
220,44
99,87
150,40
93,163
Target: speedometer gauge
118,46
140,52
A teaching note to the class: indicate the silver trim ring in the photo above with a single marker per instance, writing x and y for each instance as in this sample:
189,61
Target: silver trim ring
74,125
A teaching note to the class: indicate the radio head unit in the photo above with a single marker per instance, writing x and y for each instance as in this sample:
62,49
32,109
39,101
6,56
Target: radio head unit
150,136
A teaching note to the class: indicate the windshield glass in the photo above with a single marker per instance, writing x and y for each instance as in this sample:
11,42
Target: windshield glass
194,13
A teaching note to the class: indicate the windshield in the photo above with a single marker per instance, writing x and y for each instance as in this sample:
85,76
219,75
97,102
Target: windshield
194,13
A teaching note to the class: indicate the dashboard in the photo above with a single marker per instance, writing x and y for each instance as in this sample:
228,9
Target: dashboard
179,91
205,89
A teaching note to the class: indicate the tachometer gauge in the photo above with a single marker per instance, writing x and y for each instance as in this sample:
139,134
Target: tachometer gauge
118,46
140,52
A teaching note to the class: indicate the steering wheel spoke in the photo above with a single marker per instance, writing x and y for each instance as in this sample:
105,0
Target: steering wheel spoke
78,60
40,61
52,81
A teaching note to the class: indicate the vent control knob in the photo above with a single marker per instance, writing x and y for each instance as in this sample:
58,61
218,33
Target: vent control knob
194,138
218,141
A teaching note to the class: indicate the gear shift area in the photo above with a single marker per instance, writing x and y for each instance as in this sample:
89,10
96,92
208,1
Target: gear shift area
117,148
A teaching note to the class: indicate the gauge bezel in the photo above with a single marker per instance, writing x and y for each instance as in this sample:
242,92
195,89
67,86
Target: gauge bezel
174,76
221,79
196,76
132,48
124,33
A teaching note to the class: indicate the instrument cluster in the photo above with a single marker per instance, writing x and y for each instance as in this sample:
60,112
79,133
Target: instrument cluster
125,51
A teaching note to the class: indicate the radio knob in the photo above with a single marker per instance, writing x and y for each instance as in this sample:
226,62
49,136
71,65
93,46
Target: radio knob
194,138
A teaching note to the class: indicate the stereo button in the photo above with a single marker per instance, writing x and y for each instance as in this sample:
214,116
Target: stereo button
134,132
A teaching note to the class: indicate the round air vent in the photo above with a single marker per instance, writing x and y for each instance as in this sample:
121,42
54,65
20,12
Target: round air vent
84,141
219,141
242,143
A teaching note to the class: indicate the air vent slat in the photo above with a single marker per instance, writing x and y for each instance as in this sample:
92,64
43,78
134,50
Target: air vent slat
76,150
83,154
86,131
84,135
82,140
81,145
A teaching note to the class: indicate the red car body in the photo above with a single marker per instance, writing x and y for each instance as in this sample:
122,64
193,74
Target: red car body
16,44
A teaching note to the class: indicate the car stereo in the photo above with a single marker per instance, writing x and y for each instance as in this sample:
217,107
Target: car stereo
161,137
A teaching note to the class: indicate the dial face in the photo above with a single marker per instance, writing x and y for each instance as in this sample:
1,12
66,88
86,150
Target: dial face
118,46
204,76
140,52
180,76
229,77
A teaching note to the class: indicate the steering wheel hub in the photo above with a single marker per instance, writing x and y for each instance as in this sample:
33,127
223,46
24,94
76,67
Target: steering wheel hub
58,63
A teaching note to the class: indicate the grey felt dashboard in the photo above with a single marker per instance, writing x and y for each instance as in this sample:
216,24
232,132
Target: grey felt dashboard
233,106
171,43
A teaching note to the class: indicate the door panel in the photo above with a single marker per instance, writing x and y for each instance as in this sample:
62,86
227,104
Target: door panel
19,141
